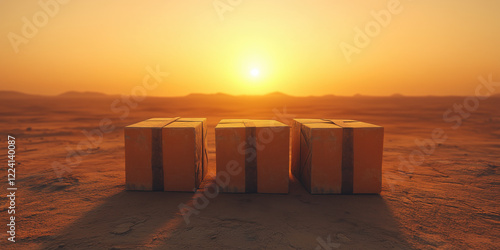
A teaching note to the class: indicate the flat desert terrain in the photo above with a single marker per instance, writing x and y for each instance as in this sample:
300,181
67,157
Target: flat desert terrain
440,188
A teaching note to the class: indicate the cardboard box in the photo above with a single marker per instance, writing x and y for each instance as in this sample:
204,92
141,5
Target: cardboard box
252,156
166,154
331,156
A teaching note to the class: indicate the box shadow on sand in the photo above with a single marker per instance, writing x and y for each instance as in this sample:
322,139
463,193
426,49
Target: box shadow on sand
297,220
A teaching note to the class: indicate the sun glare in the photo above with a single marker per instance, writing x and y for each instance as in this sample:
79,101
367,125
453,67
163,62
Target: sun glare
255,72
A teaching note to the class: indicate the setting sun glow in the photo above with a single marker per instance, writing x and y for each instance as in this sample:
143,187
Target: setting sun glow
255,72
330,47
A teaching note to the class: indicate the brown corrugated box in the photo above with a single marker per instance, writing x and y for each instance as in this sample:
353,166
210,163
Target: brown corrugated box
166,154
332,156
254,154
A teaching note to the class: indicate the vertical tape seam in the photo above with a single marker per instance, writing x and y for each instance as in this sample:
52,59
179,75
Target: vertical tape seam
250,165
347,160
158,177
157,159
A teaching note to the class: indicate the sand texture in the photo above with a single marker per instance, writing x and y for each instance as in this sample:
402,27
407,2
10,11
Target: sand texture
450,200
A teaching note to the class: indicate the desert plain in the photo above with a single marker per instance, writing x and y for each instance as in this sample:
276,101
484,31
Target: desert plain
440,177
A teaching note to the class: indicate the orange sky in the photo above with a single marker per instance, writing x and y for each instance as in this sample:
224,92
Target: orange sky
426,48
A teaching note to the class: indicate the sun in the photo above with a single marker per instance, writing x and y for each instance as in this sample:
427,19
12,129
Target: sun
255,72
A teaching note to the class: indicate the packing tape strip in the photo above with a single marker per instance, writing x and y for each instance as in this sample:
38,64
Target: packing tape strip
347,157
157,156
250,157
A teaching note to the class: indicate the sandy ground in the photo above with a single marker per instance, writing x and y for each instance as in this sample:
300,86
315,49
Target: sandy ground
449,200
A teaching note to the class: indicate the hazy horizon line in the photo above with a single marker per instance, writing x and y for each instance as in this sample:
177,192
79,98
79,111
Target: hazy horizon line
95,93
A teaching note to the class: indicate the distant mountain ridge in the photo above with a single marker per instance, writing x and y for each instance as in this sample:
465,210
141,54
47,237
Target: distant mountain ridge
70,94
16,94
75,94
92,94
219,94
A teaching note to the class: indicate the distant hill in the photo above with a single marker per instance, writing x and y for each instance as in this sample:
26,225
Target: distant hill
224,95
15,94
358,95
87,94
277,95
198,95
